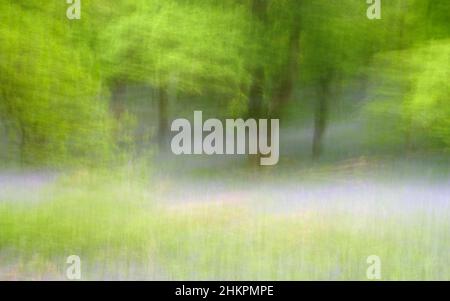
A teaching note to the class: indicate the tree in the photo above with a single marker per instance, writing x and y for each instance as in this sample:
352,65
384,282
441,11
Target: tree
50,96
334,46
194,48
409,88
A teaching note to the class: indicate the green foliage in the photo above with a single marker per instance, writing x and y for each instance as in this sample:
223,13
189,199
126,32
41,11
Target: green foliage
50,95
200,48
58,77
412,93
428,102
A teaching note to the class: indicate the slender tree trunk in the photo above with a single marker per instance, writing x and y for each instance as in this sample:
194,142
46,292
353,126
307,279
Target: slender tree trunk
256,90
23,144
118,100
256,94
163,128
402,45
285,88
320,117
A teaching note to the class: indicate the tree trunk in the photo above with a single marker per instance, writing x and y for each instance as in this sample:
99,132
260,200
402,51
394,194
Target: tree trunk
23,144
285,88
255,96
163,128
320,117
256,92
118,100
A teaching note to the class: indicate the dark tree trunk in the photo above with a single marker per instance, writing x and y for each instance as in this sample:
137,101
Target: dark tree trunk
23,144
118,100
285,88
163,128
256,92
320,116
256,89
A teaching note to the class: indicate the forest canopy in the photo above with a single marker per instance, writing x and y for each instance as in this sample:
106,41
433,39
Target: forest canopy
63,82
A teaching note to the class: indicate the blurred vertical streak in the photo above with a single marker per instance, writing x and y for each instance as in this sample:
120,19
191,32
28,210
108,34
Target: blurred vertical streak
163,129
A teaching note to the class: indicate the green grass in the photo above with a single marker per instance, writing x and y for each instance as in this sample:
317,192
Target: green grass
113,225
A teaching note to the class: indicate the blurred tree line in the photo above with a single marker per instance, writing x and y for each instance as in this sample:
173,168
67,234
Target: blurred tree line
62,81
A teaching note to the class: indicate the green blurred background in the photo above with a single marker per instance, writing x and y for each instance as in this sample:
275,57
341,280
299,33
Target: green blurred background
85,113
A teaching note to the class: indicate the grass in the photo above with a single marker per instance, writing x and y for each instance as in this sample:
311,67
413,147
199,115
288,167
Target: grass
119,233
